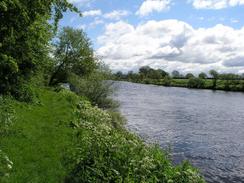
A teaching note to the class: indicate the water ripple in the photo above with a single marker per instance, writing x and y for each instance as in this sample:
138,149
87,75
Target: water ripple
203,126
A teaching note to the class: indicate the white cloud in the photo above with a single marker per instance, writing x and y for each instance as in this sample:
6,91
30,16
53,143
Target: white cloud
172,44
149,6
96,22
92,13
216,4
91,25
116,14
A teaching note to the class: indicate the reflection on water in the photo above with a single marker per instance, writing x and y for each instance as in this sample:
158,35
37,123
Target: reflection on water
203,126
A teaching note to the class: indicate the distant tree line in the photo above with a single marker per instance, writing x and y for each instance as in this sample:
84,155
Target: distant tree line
210,80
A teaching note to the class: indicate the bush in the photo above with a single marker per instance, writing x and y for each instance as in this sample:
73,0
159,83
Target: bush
25,93
8,73
95,88
7,115
167,81
103,153
195,83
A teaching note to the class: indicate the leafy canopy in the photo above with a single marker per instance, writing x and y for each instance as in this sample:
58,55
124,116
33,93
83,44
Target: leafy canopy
25,33
73,55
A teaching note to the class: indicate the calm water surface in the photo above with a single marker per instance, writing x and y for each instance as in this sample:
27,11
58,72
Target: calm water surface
203,126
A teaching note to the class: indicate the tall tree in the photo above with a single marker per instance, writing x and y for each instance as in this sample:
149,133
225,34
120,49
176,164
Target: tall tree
175,74
189,75
25,32
215,76
202,75
73,54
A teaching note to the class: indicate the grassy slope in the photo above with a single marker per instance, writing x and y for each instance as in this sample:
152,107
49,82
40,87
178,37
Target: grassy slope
41,136
41,133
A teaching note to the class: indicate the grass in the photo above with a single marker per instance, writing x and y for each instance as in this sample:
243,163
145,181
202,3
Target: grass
226,85
39,135
65,139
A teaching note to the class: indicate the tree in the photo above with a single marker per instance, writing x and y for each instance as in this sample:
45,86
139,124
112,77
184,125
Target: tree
154,74
195,83
215,76
25,33
73,54
189,75
202,75
167,81
175,74
163,73
144,70
119,75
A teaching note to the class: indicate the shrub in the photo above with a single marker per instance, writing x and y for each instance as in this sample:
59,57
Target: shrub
95,88
167,81
8,72
103,153
6,119
7,114
195,83
25,93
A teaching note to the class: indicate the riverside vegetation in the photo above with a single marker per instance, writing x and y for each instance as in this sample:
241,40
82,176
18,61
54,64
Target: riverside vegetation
215,81
57,122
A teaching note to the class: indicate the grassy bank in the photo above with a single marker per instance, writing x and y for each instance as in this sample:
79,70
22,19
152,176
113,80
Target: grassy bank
225,85
62,138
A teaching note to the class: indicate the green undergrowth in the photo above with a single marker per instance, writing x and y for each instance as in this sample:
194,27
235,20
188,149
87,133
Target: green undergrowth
225,85
63,138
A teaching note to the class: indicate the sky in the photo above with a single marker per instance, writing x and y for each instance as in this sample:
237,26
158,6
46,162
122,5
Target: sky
185,35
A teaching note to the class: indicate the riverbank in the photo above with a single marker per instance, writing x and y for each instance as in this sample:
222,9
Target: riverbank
62,138
224,85
198,125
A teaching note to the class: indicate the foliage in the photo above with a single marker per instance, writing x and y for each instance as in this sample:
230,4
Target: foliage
202,75
73,55
25,38
5,166
7,115
189,75
175,74
167,81
195,83
224,81
106,154
215,76
96,88
65,138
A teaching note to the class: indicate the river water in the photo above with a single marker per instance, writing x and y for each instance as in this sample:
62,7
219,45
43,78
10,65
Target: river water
203,126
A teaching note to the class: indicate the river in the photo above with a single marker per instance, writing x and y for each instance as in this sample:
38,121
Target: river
203,126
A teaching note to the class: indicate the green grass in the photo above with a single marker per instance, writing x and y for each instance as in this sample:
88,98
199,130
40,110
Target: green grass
65,139
227,85
38,137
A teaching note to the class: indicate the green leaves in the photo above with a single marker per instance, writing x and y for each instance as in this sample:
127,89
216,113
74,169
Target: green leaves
25,34
73,55
103,153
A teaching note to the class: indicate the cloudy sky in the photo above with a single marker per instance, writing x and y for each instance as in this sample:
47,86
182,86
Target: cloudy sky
184,35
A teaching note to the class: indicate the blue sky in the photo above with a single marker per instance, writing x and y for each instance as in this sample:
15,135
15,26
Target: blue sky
115,27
